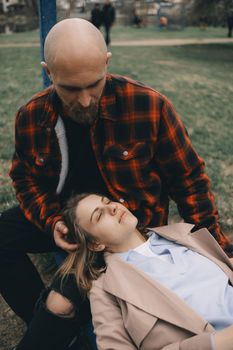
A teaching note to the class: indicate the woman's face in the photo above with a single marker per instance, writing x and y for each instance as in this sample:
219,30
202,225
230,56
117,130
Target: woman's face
109,223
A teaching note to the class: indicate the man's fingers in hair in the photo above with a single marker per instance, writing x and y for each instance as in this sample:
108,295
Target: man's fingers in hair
61,227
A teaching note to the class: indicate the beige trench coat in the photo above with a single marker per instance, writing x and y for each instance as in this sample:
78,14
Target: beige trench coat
132,311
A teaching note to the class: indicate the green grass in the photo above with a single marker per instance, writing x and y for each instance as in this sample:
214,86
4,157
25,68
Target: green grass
25,37
153,32
130,33
20,78
197,79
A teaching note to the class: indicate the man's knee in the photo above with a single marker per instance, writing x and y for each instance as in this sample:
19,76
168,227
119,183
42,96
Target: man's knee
59,305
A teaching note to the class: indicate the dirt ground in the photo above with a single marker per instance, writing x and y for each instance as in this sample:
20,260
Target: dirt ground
148,42
11,327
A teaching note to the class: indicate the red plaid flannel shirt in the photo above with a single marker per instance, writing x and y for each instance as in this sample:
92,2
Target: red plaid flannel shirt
142,149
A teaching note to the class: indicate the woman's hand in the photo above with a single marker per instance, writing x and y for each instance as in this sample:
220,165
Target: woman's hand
224,339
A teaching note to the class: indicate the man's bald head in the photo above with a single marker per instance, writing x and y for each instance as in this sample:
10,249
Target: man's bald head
74,40
76,62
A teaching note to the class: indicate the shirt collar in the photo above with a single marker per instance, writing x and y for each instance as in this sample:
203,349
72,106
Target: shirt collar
108,100
51,108
155,241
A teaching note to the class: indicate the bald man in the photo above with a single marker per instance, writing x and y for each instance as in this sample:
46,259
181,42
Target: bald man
90,131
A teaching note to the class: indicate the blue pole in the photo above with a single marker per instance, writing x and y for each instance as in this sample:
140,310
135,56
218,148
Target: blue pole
47,19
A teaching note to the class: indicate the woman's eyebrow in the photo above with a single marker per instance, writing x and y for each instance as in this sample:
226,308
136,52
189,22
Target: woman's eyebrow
96,209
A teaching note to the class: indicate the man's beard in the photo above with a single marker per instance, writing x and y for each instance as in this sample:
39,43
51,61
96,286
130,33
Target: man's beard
83,115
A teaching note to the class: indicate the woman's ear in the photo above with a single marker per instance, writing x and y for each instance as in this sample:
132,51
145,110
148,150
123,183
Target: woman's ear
96,246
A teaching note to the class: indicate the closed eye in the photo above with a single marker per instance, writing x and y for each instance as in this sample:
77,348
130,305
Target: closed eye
99,216
98,212
106,200
94,85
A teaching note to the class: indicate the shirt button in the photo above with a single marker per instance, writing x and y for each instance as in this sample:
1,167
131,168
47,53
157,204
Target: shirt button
125,153
121,200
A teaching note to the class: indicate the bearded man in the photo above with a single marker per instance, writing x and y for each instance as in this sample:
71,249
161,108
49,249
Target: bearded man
90,131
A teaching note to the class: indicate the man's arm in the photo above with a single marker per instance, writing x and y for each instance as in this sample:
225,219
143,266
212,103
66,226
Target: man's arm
37,199
39,204
183,170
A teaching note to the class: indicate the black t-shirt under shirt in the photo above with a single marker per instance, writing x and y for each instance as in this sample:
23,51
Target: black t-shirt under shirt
83,174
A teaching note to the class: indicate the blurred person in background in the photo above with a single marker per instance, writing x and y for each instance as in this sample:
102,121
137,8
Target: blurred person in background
163,22
230,23
137,20
96,15
108,17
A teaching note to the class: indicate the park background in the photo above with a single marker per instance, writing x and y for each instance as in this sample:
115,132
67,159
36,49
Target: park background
196,75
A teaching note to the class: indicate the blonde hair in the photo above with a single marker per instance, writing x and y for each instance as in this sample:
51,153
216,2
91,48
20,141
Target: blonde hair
84,263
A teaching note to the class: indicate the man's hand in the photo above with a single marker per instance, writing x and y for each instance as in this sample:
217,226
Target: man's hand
59,235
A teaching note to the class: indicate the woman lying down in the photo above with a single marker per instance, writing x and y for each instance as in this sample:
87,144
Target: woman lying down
166,288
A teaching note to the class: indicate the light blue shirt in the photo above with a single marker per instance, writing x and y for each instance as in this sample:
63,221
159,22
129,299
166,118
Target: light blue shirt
193,277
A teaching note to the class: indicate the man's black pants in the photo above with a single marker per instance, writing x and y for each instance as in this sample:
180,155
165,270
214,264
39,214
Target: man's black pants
20,283
107,28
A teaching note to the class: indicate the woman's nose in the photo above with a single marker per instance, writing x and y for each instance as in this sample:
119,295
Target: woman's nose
112,208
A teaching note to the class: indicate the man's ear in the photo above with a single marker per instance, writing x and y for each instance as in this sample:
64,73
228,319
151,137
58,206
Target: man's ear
109,55
46,68
96,246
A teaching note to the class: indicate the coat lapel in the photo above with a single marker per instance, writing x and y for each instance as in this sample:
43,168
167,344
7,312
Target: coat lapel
135,287
200,241
174,232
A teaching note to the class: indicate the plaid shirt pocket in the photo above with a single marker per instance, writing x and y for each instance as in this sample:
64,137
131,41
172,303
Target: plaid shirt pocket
43,165
128,166
126,152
